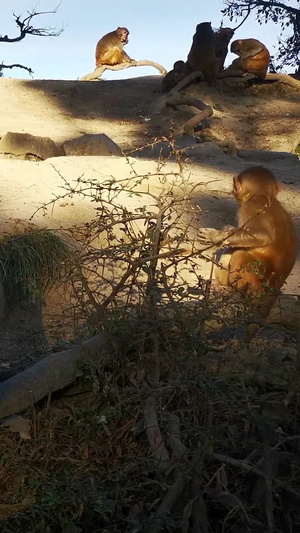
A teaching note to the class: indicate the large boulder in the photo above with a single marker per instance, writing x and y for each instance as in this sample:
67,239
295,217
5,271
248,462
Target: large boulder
188,146
89,144
24,144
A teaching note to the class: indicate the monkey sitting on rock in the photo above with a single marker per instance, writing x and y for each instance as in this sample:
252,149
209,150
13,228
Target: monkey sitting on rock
109,50
254,58
208,53
202,55
222,39
174,76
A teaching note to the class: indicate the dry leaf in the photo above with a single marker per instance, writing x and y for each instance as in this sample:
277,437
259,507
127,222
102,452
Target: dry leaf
7,510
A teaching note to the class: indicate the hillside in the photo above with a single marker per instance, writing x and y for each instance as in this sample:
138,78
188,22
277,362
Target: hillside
262,121
262,117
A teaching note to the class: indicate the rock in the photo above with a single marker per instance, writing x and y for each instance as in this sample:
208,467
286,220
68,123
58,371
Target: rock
189,144
206,150
89,144
286,311
24,144
160,150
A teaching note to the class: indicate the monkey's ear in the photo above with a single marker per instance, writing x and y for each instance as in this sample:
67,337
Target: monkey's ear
236,185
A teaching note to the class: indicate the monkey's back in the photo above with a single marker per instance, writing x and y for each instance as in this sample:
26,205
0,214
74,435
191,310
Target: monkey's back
108,50
257,64
202,55
280,254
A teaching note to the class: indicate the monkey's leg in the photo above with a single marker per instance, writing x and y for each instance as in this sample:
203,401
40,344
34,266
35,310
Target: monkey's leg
246,271
257,65
221,273
235,69
127,59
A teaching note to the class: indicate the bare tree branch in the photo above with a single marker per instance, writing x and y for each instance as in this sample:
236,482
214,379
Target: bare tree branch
26,28
286,16
16,65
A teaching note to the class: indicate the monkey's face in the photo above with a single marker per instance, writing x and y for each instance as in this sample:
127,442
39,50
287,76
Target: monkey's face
226,34
236,47
179,65
241,189
123,35
254,181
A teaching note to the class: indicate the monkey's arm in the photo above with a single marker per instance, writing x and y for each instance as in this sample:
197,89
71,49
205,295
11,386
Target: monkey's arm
127,59
235,69
253,51
214,236
249,238
236,238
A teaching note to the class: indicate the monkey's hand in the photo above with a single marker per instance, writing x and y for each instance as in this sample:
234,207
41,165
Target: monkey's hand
127,59
214,236
229,229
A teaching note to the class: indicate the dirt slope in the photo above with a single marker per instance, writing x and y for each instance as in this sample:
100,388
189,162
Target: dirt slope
262,117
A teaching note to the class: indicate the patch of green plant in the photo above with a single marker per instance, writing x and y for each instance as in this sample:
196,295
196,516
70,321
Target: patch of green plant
31,262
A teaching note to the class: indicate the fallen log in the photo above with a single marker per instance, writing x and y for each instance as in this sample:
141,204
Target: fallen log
200,110
50,374
283,78
198,107
97,73
270,76
155,438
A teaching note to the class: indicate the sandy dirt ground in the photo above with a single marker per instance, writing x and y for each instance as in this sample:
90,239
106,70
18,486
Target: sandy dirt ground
263,121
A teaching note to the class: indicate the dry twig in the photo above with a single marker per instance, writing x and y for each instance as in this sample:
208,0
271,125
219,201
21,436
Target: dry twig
155,438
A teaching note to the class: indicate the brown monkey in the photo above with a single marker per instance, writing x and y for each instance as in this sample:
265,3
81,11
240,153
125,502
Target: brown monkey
202,55
222,38
109,50
254,57
264,246
171,79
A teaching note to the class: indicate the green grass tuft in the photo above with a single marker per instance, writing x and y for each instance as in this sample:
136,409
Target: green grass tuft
30,263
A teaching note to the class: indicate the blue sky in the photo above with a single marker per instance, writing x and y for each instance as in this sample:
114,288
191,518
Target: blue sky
160,30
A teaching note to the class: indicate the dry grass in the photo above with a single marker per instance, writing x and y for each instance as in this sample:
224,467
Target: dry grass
88,466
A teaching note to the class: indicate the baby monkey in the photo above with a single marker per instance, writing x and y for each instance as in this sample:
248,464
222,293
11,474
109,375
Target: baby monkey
263,247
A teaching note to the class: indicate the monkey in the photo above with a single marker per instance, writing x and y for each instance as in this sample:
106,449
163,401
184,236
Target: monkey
109,50
254,58
171,79
263,248
202,55
222,38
